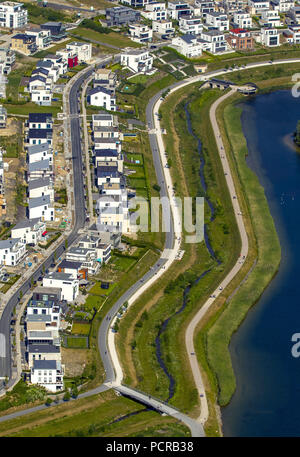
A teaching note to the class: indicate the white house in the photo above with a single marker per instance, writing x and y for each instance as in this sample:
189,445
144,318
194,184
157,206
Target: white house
69,286
269,37
113,214
42,37
41,96
163,27
29,231
102,250
102,120
189,24
13,15
86,257
41,207
38,152
99,96
218,20
140,33
39,136
12,251
137,60
215,41
177,9
242,19
40,187
83,50
187,45
270,18
256,7
40,121
48,373
40,169
285,5
293,34
155,11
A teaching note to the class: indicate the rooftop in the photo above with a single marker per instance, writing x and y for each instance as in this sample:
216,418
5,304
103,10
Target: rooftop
39,201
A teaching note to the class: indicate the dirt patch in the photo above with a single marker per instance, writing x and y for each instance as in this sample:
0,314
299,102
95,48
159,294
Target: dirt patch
75,360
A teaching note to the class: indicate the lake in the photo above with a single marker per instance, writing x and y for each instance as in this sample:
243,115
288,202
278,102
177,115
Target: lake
267,399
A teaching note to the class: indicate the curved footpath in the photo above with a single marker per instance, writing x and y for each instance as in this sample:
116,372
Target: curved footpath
106,341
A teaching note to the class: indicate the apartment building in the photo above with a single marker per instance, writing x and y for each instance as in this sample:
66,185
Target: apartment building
42,37
214,41
57,30
13,15
86,257
269,37
205,6
270,18
256,7
7,60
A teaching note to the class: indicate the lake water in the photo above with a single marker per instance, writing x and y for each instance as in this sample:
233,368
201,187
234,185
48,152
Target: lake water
267,399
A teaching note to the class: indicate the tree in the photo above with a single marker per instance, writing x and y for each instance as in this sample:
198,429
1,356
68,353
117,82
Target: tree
48,401
67,396
74,391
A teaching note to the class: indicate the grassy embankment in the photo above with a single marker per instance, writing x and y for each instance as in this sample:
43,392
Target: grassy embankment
94,416
268,258
136,343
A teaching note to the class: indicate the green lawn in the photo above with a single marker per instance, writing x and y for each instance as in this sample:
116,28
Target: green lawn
94,301
113,38
97,290
81,329
76,343
122,263
30,107
94,416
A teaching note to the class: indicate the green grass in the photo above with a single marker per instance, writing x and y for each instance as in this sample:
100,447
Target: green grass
266,267
97,290
39,15
122,263
81,329
113,38
13,145
76,343
25,109
93,302
52,49
95,418
21,394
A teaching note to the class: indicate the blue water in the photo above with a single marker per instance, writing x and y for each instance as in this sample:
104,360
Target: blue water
267,399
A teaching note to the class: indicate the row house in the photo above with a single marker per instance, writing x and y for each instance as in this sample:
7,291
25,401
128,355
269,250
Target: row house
40,187
38,152
41,207
103,120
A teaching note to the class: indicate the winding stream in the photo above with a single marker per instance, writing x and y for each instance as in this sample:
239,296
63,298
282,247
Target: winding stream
186,291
